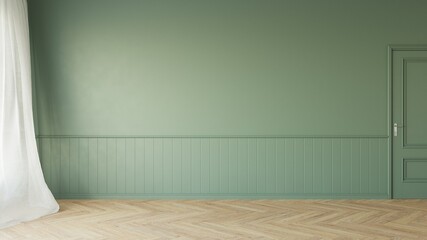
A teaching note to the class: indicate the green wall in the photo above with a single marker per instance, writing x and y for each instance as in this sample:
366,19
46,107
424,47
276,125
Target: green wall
248,76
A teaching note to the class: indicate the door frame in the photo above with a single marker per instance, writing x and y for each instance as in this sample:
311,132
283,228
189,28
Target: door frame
391,49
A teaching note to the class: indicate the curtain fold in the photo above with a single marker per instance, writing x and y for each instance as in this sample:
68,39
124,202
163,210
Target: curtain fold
24,194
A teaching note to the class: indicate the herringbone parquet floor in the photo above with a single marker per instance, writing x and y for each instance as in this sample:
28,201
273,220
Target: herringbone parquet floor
229,219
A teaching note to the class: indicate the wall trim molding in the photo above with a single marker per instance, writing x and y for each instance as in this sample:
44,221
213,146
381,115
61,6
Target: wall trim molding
222,196
407,47
212,136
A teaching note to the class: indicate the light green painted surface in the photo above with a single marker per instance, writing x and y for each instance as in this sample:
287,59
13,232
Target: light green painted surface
216,167
409,111
241,67
305,69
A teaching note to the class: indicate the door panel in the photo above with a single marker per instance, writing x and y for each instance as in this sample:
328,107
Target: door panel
415,170
410,114
415,109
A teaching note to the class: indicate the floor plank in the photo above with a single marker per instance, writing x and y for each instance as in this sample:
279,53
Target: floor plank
228,219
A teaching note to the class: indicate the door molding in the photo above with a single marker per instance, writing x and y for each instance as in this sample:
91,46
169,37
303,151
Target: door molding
391,49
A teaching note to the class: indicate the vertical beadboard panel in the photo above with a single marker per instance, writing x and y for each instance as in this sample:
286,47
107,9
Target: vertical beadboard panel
317,166
383,167
280,165
186,165
55,177
247,166
364,165
374,169
233,165
111,166
355,165
252,166
214,165
65,165
270,168
139,165
299,165
346,165
204,165
130,165
196,169
289,165
308,166
167,152
84,165
327,166
149,165
158,159
336,165
261,165
177,165
243,165
224,165
74,165
121,165
93,165
102,165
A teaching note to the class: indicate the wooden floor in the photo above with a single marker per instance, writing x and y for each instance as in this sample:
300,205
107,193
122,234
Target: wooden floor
229,219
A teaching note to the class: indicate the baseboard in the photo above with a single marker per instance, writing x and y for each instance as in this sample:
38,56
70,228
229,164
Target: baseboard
220,196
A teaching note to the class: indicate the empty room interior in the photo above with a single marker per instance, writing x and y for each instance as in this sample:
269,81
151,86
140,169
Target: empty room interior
213,119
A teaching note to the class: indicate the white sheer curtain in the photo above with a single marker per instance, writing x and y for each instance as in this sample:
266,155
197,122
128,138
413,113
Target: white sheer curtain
24,194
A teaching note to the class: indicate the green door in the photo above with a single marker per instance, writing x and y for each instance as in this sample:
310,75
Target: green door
409,77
